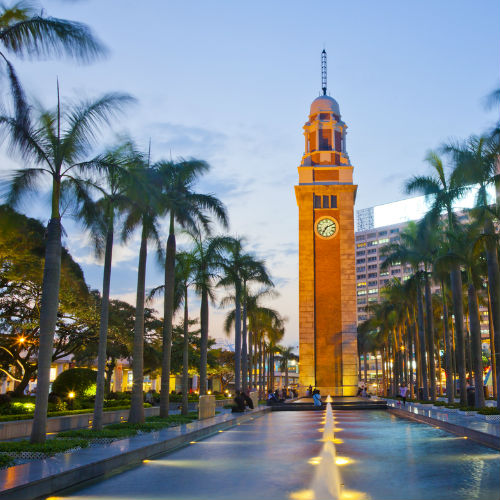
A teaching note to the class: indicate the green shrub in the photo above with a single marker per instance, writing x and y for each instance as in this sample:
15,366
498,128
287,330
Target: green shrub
50,447
5,461
439,403
81,381
489,411
467,408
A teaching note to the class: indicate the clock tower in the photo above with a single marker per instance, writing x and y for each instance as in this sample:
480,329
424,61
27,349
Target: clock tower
327,282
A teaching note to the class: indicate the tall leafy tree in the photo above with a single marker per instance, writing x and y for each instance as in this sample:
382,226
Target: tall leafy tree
189,209
56,144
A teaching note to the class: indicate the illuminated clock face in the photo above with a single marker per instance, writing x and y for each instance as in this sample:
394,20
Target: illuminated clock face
327,227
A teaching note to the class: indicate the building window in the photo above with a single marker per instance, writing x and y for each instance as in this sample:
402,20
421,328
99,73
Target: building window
360,261
372,299
372,275
394,238
361,301
333,201
383,240
362,283
385,273
372,235
382,233
360,237
317,201
360,245
372,266
361,276
394,231
326,202
360,269
372,250
360,252
372,259
395,271
372,291
372,283
361,292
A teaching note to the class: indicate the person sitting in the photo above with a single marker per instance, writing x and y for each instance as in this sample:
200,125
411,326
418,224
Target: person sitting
271,398
247,399
317,398
309,391
239,406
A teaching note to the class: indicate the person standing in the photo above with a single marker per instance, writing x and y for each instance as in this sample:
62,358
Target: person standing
403,391
317,398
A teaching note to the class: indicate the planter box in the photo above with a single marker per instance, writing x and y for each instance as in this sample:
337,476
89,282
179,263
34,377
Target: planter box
467,413
452,410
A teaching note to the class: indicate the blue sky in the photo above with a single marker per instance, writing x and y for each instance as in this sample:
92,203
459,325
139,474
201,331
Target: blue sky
231,82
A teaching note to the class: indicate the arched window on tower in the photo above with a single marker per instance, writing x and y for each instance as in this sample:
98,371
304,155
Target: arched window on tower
325,140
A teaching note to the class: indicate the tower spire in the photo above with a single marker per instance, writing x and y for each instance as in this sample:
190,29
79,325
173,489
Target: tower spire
323,71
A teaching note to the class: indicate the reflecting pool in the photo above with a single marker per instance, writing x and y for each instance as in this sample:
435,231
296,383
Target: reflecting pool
379,456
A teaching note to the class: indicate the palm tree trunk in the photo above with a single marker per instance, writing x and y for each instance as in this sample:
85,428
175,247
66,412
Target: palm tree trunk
384,381
447,347
477,357
244,348
376,371
458,312
365,367
468,351
250,360
261,371
168,312
421,339
185,356
237,339
492,347
103,334
204,312
494,282
48,319
412,345
136,414
430,337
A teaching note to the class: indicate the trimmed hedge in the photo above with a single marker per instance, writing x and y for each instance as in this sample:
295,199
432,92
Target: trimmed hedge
49,447
28,416
91,434
489,411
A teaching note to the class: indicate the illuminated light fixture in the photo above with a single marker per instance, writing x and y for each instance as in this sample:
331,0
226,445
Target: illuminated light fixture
314,461
21,340
464,437
146,461
302,495
221,431
342,461
209,392
71,395
192,442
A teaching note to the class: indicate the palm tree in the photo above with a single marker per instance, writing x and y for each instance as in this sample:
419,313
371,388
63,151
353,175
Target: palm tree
143,212
443,191
253,270
189,209
238,269
207,257
185,273
476,163
58,143
286,355
99,216
26,33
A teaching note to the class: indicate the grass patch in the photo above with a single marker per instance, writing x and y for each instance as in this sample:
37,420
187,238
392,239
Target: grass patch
49,447
489,411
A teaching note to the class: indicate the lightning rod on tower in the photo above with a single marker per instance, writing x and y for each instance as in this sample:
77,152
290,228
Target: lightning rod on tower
323,71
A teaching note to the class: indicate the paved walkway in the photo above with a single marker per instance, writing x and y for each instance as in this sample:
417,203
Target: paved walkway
467,421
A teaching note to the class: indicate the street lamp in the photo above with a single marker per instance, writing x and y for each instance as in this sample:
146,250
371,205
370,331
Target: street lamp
71,396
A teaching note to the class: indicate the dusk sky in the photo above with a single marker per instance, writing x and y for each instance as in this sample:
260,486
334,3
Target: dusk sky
232,82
